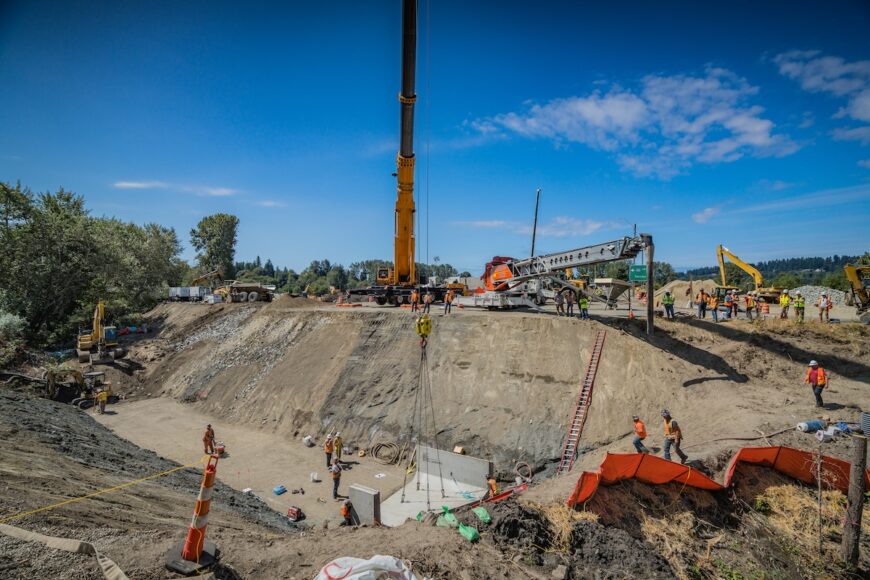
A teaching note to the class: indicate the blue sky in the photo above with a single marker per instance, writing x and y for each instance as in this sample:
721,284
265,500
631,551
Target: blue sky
740,123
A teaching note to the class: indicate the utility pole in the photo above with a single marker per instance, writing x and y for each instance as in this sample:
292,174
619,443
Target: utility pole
855,503
535,224
650,307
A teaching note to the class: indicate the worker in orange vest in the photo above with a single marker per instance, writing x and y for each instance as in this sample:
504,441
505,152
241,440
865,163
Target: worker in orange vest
328,447
346,514
749,302
208,440
493,487
427,302
448,301
713,303
825,306
639,435
701,301
673,437
335,470
415,300
817,379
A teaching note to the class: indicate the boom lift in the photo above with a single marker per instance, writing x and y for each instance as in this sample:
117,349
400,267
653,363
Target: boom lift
769,294
99,345
859,288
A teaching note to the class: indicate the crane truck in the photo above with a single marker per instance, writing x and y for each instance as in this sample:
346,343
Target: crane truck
394,285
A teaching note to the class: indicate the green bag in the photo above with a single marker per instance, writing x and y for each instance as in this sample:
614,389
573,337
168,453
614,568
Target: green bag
469,533
482,514
446,519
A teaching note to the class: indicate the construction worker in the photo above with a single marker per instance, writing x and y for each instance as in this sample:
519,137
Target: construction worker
493,487
427,301
423,326
799,304
335,470
818,380
701,300
570,299
735,305
338,445
559,299
415,300
346,513
729,303
673,437
328,448
639,435
208,440
668,303
749,304
825,306
713,304
448,301
784,303
584,307
102,399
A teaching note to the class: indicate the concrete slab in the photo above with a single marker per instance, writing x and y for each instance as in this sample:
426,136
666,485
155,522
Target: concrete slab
442,479
366,504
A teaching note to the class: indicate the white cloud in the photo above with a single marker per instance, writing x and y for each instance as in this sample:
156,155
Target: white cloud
659,130
197,189
865,163
817,199
774,185
817,73
559,227
271,203
140,185
705,214
861,134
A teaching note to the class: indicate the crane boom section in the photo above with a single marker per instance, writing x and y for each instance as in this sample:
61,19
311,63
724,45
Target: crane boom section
403,264
723,252
622,249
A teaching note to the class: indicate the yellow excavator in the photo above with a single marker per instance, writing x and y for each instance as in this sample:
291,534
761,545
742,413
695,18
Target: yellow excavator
99,344
859,288
214,275
769,294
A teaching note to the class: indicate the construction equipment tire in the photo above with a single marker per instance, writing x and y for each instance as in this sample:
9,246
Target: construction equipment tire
381,300
240,297
84,356
253,297
85,404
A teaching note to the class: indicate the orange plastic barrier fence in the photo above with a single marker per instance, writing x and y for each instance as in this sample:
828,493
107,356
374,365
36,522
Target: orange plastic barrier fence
654,470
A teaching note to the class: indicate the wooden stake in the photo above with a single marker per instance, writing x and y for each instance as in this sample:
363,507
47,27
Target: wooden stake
855,505
819,491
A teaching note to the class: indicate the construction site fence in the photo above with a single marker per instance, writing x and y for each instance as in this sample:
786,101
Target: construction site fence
796,463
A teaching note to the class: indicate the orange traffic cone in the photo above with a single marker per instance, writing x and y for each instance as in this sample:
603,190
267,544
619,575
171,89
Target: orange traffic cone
194,554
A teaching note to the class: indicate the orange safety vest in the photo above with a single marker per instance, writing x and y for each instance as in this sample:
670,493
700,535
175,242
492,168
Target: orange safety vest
493,487
640,429
714,302
765,308
327,447
336,473
750,302
822,380
702,297
345,511
414,296
667,428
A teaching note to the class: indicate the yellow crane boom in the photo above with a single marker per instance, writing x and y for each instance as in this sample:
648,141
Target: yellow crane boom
768,293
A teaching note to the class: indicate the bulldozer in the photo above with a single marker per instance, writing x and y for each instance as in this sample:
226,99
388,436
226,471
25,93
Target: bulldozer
99,344
859,290
77,388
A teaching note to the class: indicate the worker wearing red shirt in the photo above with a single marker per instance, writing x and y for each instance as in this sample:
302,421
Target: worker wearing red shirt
818,380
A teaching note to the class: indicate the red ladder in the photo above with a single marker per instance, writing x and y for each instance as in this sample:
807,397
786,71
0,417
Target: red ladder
575,428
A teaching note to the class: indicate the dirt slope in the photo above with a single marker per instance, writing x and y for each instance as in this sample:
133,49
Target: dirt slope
505,383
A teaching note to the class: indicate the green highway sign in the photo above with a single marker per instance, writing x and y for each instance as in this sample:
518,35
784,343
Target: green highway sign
637,273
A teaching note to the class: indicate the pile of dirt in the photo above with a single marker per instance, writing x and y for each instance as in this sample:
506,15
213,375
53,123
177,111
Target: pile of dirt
679,289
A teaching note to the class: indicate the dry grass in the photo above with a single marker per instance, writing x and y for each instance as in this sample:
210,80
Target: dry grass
561,519
673,535
793,512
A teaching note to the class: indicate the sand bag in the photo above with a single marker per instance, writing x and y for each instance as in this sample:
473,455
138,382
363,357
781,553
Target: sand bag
469,533
446,519
482,514
375,568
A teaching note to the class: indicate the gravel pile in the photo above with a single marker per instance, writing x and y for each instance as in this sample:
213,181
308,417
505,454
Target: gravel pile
812,293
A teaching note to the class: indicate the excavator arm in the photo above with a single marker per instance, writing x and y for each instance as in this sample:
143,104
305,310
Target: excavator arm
859,283
723,252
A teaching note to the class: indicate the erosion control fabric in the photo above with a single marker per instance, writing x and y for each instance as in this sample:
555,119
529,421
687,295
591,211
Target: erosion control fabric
654,470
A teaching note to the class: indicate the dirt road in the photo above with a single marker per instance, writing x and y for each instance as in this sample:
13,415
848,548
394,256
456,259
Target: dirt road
255,458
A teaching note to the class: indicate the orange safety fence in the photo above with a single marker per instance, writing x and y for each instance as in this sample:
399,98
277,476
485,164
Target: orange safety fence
654,470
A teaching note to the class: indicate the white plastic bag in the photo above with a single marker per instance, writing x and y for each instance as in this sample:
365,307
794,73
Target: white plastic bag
375,568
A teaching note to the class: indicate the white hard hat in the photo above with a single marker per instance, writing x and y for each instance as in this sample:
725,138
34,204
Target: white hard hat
798,293
824,294
814,363
785,291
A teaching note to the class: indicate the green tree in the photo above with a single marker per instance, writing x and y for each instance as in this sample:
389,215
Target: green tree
788,281
663,273
214,239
